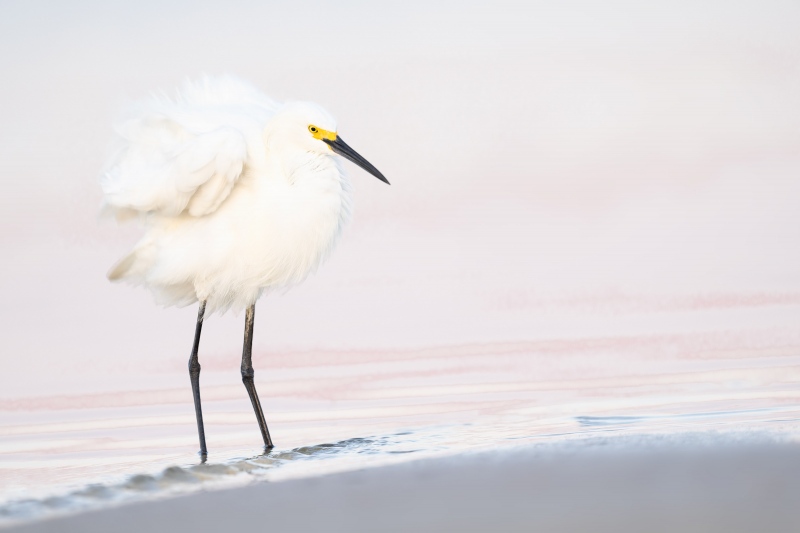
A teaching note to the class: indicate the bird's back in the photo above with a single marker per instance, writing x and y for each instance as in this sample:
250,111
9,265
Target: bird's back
185,154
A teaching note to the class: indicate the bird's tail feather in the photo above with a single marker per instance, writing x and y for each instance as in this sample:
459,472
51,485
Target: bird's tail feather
122,267
135,268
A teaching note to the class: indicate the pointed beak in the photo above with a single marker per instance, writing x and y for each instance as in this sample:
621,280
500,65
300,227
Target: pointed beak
342,148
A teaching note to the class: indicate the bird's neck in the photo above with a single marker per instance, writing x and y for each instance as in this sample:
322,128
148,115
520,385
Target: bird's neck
296,163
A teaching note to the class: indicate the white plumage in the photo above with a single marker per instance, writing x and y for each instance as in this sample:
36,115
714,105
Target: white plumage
237,197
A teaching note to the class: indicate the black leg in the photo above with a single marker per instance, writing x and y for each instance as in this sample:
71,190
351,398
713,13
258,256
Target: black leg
248,373
194,376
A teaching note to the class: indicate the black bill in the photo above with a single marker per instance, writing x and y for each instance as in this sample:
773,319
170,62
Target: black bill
342,148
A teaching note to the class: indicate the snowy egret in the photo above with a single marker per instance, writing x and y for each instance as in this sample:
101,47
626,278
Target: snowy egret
237,194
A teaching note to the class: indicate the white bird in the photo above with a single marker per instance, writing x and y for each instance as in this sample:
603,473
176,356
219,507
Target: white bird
238,195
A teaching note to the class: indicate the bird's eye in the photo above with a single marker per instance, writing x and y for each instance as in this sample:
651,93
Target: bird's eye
312,129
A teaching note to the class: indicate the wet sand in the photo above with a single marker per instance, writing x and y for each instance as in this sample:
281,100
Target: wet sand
695,482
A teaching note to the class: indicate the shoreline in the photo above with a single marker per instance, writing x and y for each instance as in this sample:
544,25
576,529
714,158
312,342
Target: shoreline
680,482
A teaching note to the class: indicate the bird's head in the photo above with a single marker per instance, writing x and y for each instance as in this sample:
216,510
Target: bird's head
312,128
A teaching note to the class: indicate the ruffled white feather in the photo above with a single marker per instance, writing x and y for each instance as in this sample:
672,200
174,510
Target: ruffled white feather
235,195
186,154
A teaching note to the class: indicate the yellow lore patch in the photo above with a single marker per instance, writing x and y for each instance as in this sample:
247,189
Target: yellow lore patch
321,134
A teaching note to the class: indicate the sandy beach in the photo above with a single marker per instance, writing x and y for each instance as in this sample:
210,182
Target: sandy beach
700,482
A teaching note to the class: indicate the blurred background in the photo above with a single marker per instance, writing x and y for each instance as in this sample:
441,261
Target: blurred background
580,190
616,155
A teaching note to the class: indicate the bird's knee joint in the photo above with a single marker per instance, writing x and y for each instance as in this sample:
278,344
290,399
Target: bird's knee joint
194,366
248,374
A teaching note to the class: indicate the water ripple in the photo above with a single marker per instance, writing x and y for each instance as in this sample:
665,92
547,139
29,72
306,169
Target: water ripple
176,480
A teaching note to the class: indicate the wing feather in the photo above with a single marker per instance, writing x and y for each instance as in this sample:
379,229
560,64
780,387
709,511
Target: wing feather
186,155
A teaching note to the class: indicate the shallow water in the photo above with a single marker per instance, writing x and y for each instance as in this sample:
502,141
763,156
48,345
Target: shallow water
70,453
